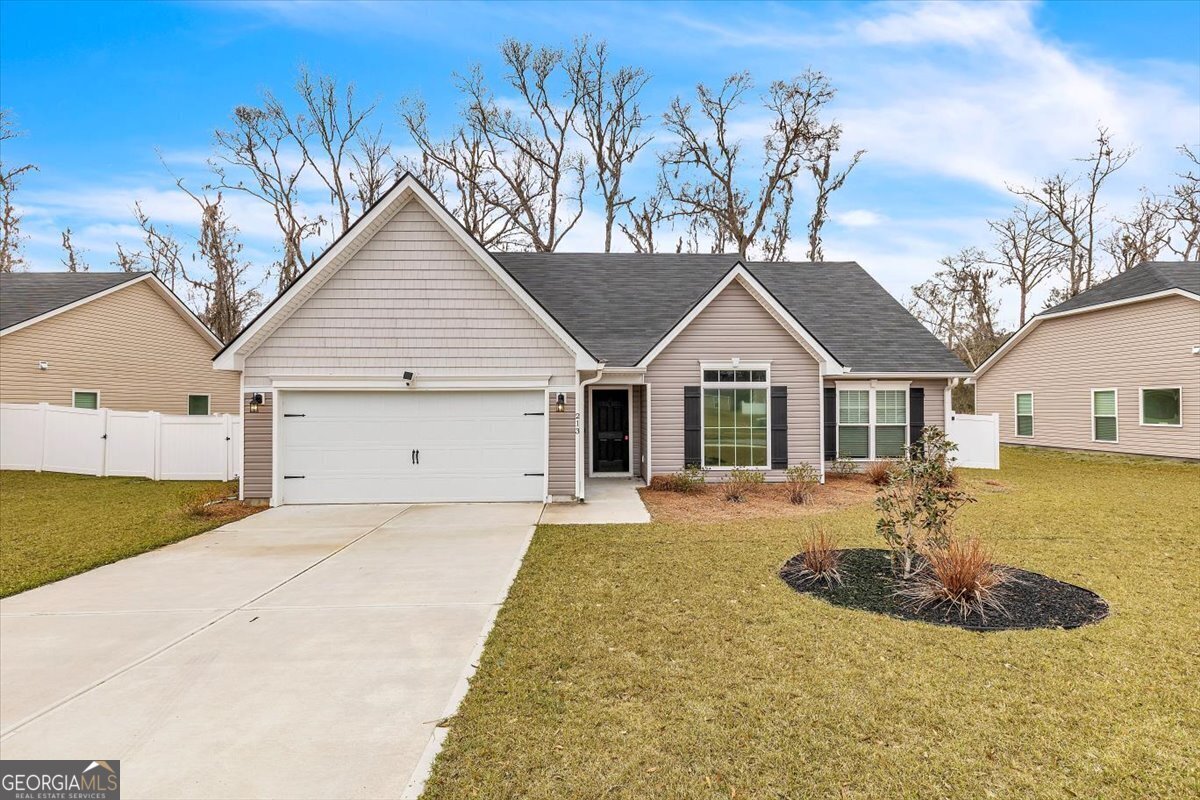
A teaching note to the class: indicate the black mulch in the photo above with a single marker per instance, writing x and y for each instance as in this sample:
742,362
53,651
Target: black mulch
1031,600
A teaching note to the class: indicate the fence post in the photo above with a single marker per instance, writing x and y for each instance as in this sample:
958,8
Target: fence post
43,409
227,429
102,470
156,432
996,437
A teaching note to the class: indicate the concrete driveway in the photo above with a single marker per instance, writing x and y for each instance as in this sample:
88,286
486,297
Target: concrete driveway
302,652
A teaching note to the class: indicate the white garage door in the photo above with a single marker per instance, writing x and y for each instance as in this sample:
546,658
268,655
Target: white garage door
412,446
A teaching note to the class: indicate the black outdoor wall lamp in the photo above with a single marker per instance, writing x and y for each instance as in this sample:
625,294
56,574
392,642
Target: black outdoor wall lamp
560,403
256,401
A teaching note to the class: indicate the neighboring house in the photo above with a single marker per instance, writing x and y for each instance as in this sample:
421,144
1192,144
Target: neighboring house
410,364
119,340
1116,368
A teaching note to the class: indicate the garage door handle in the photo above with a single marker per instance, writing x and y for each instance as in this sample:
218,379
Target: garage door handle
289,477
294,415
416,456
535,474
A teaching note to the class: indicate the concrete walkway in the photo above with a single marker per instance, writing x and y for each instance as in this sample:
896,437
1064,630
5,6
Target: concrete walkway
302,652
609,501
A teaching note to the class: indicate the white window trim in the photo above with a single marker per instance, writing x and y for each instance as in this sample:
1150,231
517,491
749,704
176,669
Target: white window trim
1115,415
199,394
871,387
1032,421
719,365
1141,407
85,391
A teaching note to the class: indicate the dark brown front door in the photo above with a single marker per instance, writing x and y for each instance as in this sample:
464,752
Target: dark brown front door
610,430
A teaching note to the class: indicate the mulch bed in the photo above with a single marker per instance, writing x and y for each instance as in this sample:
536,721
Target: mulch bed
707,504
1031,600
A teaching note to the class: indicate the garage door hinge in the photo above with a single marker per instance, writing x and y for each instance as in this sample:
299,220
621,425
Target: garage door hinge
293,415
535,474
535,413
289,477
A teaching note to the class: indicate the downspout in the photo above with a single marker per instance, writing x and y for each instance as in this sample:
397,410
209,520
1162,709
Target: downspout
580,403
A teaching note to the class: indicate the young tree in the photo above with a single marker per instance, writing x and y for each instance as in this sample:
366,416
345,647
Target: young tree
72,258
703,167
609,119
10,218
1023,254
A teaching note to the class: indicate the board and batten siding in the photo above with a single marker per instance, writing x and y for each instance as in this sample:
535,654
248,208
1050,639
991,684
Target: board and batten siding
256,448
733,325
131,346
412,298
1144,344
562,447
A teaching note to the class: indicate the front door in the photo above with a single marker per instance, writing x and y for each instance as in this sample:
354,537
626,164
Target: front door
610,430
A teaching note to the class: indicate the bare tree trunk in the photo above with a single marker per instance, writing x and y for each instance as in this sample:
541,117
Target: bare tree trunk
10,218
820,163
72,256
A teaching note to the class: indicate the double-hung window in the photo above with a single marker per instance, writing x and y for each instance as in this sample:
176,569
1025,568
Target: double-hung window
735,416
1162,407
1104,415
872,421
1024,406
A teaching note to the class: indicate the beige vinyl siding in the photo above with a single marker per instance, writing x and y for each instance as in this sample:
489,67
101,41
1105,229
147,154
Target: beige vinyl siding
256,453
412,298
562,447
131,346
1145,344
734,325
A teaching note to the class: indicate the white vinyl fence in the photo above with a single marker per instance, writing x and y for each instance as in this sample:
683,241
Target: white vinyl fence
978,440
145,444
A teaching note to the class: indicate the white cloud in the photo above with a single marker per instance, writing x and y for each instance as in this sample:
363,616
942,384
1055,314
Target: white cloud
857,218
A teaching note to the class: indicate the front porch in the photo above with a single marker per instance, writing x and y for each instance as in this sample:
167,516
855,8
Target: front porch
610,501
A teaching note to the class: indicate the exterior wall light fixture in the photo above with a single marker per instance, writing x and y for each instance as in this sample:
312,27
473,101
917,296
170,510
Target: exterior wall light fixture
560,403
256,401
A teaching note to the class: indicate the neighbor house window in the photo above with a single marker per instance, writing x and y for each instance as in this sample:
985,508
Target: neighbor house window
1162,407
198,405
1025,414
735,417
872,421
1104,415
85,399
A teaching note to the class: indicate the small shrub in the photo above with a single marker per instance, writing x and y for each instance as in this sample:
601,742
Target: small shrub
821,558
689,479
916,507
843,467
739,483
878,472
962,574
802,482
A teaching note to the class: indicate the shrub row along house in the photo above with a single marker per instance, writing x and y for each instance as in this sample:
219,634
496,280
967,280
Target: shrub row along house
1115,368
119,340
410,364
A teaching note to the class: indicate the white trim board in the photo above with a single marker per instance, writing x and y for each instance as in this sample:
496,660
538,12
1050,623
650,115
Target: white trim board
1032,324
760,293
407,189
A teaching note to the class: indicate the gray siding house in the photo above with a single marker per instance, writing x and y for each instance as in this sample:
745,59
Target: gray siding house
1113,369
409,364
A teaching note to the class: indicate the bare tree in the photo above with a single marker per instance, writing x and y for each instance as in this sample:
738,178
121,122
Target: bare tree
820,163
1141,237
644,221
126,261
1023,254
374,169
1072,204
610,120
1185,209
258,144
10,218
226,298
163,254
958,304
702,167
482,202
73,258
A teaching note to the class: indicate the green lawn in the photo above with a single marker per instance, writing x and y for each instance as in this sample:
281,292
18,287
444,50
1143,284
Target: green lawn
670,661
54,525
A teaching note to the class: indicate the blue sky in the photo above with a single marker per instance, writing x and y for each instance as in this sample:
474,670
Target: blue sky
951,101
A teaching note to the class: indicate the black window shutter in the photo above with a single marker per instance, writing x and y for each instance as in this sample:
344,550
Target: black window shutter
691,427
916,413
830,423
779,428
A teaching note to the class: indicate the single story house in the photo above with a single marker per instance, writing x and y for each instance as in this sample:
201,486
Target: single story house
410,364
119,340
1115,368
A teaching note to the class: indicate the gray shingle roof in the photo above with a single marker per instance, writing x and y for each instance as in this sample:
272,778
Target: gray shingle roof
25,295
1146,278
618,305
